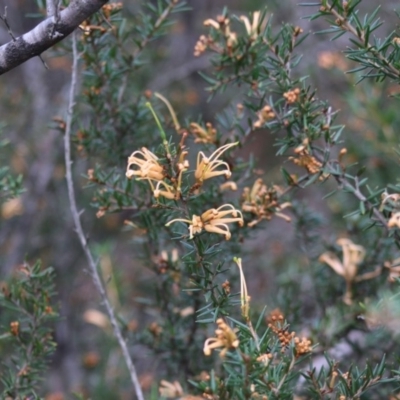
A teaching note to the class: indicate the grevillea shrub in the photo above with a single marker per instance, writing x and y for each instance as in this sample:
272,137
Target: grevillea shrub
314,314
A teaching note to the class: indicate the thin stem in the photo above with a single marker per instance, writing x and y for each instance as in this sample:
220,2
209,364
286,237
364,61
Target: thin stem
346,25
81,235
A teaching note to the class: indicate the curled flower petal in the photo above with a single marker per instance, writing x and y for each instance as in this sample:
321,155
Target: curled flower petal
209,167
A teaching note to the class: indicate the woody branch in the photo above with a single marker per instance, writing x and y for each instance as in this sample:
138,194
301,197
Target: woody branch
47,33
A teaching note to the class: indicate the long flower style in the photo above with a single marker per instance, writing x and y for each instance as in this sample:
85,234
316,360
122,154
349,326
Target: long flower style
225,338
244,296
252,28
353,255
147,163
214,220
209,167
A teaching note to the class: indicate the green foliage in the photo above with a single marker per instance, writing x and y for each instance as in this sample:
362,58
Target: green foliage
173,180
26,339
10,186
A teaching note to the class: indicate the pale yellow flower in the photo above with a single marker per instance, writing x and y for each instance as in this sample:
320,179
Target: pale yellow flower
229,185
225,338
209,167
165,190
214,220
244,297
170,389
353,255
394,220
222,24
253,27
212,22
146,165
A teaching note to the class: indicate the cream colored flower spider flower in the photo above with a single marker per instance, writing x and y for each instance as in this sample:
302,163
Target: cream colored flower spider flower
353,256
225,338
214,220
253,28
147,163
208,167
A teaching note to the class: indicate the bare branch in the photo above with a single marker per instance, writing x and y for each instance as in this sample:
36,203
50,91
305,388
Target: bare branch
82,237
5,20
52,8
46,34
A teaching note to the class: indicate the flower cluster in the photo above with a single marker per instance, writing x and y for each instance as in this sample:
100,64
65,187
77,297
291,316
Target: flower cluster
292,95
148,163
214,220
276,322
302,346
265,115
107,11
204,135
225,338
222,24
201,45
143,164
304,159
263,202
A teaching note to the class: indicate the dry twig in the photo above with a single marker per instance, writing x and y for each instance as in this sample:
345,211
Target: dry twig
82,237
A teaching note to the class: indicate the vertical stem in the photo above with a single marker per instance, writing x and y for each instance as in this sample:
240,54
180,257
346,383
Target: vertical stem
81,235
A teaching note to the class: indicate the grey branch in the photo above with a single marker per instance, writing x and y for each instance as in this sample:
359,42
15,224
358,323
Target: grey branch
52,8
47,33
97,280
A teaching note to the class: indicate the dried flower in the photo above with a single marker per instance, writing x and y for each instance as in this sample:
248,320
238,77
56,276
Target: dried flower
226,286
276,322
225,338
14,328
263,202
214,220
109,8
304,159
207,167
353,255
203,135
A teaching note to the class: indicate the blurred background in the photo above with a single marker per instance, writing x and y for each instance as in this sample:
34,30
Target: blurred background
38,224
